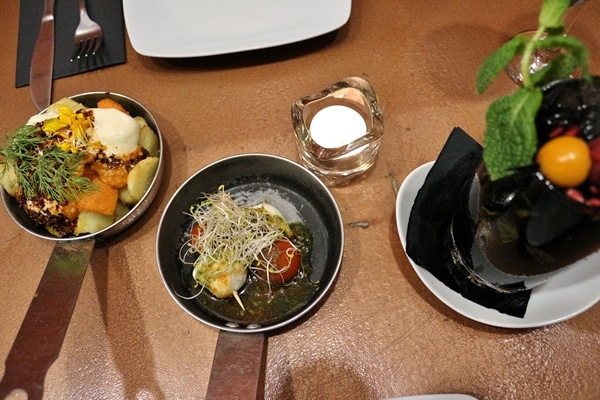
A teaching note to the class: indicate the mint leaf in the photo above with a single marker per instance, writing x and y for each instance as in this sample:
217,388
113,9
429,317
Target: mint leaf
568,44
552,12
510,139
498,60
557,69
573,55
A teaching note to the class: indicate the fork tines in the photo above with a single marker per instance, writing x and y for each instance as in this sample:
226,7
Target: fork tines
87,47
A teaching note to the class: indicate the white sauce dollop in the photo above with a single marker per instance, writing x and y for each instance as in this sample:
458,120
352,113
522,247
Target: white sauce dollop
117,131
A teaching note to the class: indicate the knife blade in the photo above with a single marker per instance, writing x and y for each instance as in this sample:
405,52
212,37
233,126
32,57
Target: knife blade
42,61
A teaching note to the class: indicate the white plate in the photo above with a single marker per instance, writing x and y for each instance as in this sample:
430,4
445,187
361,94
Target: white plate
436,397
562,297
193,28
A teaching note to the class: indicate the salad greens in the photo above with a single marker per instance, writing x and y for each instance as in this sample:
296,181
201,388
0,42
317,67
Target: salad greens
510,139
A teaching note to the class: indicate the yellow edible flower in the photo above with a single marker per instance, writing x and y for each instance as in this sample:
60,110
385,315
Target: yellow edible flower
71,126
53,125
67,146
79,122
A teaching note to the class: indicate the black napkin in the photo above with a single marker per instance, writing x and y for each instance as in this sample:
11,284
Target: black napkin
107,13
427,240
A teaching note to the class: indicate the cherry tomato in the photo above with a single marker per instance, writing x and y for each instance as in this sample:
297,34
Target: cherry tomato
565,161
285,260
195,233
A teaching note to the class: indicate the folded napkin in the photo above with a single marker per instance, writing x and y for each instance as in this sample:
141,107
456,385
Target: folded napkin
107,13
428,234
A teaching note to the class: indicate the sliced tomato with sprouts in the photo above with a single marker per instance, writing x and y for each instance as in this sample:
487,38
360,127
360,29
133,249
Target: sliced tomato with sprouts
283,263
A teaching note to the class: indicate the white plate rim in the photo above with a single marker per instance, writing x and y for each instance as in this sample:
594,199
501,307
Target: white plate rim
564,296
437,396
175,29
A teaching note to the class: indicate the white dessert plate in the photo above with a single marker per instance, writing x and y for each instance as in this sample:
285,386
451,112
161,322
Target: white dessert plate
436,397
566,294
194,28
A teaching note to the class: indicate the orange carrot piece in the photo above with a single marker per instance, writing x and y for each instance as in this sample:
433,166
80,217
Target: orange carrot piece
110,103
115,177
103,200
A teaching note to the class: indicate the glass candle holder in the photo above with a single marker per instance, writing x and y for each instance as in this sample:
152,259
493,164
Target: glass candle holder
339,130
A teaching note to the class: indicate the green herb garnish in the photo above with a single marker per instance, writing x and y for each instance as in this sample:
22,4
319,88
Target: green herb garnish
510,139
42,168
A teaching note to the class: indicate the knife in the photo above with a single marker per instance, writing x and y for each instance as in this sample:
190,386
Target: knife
42,61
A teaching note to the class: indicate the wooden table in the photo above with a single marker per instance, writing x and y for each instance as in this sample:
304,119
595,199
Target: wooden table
381,333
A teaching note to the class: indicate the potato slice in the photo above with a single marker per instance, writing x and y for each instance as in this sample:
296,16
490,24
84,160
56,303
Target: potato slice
149,141
141,121
148,138
89,221
121,211
125,197
9,180
65,101
140,177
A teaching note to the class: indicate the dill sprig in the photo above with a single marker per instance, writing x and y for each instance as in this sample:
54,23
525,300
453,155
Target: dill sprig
42,168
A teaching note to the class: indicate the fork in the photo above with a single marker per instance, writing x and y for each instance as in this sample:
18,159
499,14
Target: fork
88,35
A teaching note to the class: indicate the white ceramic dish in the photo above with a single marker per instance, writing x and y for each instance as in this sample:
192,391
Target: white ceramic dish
565,295
194,28
436,397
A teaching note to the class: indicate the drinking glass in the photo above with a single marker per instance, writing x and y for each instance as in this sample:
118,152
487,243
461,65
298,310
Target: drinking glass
541,57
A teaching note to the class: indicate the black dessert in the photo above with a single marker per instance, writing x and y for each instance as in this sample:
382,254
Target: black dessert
523,224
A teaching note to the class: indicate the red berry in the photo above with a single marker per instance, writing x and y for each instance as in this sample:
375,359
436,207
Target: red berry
573,130
576,195
558,131
594,176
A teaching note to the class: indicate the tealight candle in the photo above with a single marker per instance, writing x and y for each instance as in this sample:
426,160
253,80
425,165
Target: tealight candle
337,126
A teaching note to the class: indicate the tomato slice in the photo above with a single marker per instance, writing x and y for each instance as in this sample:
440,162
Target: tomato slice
285,261
195,233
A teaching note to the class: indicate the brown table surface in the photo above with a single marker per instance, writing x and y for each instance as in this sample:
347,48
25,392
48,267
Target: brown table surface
381,333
